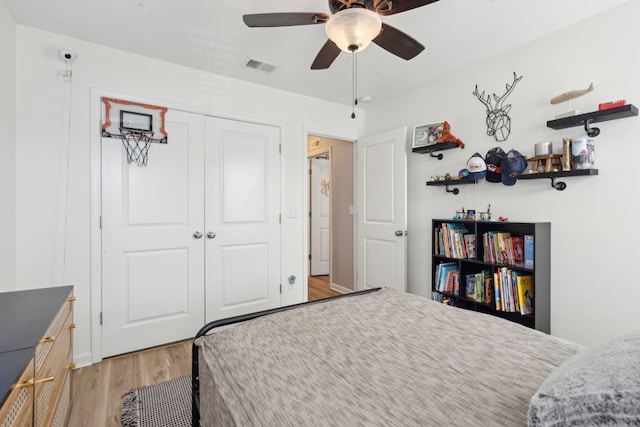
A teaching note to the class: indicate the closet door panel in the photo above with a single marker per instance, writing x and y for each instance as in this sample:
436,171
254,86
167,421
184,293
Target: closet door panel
242,211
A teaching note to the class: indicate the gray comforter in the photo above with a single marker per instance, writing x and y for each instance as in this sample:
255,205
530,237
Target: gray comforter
381,359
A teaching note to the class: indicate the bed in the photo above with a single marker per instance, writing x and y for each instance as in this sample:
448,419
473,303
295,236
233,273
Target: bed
378,358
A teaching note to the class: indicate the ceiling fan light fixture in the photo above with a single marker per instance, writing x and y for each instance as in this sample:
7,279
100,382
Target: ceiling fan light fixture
353,29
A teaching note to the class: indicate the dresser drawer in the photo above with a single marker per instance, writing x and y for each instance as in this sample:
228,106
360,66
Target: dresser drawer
52,375
61,416
48,340
18,409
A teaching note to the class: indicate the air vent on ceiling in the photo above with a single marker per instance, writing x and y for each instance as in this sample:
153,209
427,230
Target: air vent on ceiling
259,65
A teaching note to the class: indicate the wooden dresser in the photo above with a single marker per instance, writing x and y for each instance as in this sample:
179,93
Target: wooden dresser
36,356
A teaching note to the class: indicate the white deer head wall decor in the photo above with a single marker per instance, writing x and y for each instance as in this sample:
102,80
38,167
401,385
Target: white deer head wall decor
498,121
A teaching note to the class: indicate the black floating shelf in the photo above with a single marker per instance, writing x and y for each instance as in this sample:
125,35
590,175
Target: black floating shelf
450,182
554,175
628,110
440,146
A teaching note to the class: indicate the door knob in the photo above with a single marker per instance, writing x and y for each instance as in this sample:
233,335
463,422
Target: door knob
399,233
211,235
197,235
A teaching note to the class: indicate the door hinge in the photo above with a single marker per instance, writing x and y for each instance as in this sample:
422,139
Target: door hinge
309,256
310,173
101,318
100,222
280,287
280,148
280,218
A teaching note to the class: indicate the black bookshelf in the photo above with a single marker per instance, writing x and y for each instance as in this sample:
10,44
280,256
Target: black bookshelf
541,273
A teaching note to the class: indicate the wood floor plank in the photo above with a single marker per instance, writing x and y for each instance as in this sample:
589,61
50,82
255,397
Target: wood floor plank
89,391
320,287
125,375
180,359
156,366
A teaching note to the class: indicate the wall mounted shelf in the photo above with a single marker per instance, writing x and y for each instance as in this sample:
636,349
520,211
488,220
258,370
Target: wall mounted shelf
586,119
450,182
440,146
560,185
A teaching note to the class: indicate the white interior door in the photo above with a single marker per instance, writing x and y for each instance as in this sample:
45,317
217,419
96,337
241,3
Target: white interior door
242,206
152,265
320,216
382,207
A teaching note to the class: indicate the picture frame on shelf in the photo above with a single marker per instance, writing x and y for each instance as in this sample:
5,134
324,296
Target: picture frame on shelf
426,135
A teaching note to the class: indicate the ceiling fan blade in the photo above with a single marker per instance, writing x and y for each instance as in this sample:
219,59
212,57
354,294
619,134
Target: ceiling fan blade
400,44
391,7
284,19
326,56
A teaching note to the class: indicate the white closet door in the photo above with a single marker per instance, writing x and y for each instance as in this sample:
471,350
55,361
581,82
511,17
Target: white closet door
152,265
242,209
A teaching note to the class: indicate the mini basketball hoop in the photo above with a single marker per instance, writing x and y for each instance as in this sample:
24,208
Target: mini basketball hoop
136,127
137,144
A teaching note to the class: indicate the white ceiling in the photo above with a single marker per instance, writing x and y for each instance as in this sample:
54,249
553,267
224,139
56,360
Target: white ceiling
210,35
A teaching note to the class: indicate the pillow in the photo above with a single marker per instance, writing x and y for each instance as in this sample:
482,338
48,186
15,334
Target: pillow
598,386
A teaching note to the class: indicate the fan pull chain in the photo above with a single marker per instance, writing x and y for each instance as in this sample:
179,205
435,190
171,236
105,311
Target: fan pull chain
354,78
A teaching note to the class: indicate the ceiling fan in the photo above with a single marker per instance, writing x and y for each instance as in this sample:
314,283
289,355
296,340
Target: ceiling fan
352,25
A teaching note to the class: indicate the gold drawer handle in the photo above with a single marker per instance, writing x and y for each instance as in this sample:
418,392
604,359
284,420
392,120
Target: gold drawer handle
71,326
71,299
46,380
72,366
47,339
25,384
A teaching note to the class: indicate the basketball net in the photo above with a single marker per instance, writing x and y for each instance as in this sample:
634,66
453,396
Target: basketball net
137,145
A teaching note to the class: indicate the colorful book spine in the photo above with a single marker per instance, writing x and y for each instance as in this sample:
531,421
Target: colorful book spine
525,294
528,251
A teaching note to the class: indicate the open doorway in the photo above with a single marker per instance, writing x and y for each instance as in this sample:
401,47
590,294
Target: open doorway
331,217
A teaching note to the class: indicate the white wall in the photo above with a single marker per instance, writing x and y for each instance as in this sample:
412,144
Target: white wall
7,151
595,291
40,145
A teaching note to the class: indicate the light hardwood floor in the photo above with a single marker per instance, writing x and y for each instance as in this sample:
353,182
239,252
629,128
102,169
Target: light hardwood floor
319,287
98,389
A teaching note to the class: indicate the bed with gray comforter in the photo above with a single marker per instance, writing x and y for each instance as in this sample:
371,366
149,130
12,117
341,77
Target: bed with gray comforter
383,358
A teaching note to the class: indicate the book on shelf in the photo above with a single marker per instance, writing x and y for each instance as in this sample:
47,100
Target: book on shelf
528,251
450,281
496,291
443,278
471,286
470,245
517,248
504,247
525,294
449,240
456,283
488,286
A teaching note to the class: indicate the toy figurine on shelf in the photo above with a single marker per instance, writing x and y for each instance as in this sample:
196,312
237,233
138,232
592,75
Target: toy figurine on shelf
446,136
485,216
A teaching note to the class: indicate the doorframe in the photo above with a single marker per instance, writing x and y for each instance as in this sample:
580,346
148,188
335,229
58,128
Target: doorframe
326,133
95,246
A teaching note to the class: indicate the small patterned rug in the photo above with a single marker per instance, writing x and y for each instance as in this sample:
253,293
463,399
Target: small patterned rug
165,404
